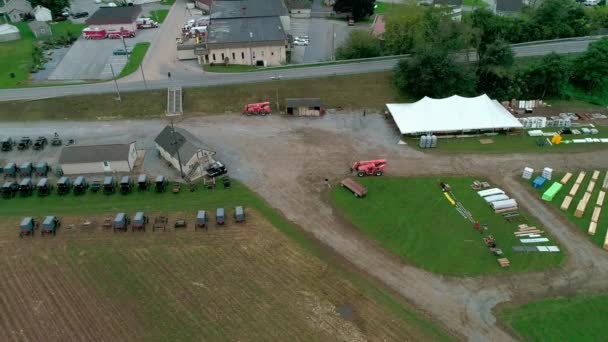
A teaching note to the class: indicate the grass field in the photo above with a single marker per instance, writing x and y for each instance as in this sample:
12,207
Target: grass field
159,15
371,91
386,7
167,2
521,143
16,57
241,282
578,318
411,218
475,3
137,56
62,28
583,222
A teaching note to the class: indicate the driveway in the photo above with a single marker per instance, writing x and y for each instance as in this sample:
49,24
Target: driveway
322,40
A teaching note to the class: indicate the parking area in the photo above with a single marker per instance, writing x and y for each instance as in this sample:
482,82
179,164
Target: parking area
325,36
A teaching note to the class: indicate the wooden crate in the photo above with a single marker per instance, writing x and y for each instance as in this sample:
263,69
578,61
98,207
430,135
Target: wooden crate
566,178
566,203
592,228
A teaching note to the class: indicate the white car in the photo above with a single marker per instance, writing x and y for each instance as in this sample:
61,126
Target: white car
300,43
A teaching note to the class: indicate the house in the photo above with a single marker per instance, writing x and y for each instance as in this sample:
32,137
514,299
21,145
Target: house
42,13
454,5
9,32
178,146
92,159
40,28
509,7
115,18
15,10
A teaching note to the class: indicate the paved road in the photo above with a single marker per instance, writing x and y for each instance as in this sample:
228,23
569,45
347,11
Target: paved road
209,79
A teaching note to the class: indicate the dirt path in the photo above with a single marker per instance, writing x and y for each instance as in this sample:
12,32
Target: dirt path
286,160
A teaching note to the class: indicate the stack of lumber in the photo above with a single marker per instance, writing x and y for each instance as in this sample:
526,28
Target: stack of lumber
580,177
582,205
566,203
600,198
504,262
525,231
591,186
566,178
606,241
596,212
605,184
595,176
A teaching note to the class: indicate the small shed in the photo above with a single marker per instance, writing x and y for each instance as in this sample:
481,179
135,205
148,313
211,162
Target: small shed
304,106
8,33
40,28
41,13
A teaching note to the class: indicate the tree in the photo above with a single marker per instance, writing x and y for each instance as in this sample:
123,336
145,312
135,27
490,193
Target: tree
359,9
561,19
547,77
360,44
495,71
591,69
432,72
56,6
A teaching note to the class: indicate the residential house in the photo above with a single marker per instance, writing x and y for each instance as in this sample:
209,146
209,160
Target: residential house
42,13
178,146
15,10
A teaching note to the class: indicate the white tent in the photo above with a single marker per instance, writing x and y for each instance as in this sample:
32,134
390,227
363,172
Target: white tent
452,114
8,33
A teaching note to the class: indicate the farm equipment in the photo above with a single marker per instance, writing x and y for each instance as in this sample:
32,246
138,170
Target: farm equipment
121,222
109,185
357,189
160,183
24,143
220,218
25,170
27,227
40,143
139,221
50,225
125,185
201,220
9,189
94,33
56,141
7,144
176,188
239,214
9,170
42,169
216,168
80,185
369,167
63,186
160,222
25,187
43,187
180,223
490,242
95,186
260,108
142,183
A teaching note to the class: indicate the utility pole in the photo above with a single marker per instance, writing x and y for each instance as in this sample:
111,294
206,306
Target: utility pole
141,67
333,41
174,143
125,45
115,83
278,107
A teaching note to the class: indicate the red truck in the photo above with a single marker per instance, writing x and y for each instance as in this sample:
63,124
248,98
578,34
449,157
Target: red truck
145,23
94,33
357,189
117,34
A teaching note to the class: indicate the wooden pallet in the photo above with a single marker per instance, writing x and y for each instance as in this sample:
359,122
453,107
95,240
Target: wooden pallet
503,262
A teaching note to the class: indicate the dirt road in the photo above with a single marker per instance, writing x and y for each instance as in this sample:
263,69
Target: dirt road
286,160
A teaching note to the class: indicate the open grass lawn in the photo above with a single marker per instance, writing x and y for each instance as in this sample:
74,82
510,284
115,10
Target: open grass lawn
159,15
411,218
62,28
475,3
580,318
16,57
240,282
583,222
386,7
356,91
137,56
520,143
167,2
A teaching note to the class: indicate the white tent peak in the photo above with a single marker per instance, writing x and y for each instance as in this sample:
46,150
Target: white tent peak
452,114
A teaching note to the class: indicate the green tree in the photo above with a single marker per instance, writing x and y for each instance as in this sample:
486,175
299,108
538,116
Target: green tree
547,77
591,69
359,9
598,18
495,75
360,44
561,19
432,72
56,6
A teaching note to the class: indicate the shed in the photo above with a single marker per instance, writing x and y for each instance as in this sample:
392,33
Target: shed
552,191
490,192
8,33
175,144
41,13
496,198
40,28
506,204
91,159
304,106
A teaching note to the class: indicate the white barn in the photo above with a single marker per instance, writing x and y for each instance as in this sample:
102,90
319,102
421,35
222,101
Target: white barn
455,114
98,158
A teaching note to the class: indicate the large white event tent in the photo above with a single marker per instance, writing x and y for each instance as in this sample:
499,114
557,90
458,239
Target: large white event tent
455,114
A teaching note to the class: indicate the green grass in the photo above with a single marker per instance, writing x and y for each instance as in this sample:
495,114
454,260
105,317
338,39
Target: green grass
583,222
597,96
16,57
580,318
137,56
159,15
62,28
104,261
386,7
411,218
371,91
229,68
503,143
475,3
167,2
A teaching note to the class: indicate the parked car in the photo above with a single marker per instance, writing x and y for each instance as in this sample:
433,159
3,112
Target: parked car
300,43
216,169
81,14
120,52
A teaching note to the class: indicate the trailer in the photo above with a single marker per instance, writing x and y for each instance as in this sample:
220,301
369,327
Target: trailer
25,187
43,187
142,182
42,169
201,220
357,189
27,227
94,33
239,214
139,221
63,185
49,225
80,185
